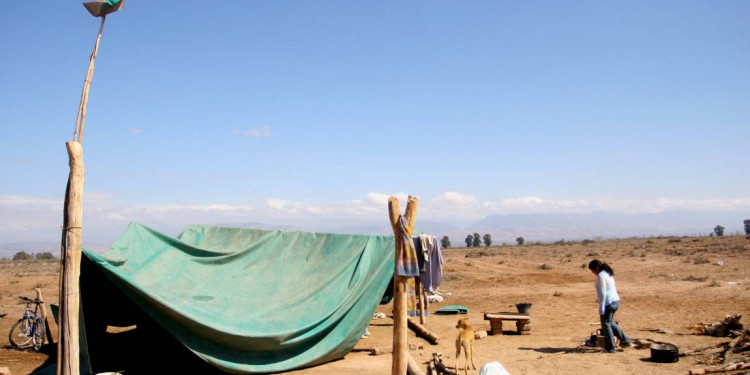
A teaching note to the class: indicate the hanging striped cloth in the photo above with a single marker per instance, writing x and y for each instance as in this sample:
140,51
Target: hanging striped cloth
406,262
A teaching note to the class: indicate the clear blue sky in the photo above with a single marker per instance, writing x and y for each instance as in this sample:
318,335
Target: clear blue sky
316,110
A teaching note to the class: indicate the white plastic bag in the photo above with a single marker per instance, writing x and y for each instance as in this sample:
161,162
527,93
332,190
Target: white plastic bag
493,368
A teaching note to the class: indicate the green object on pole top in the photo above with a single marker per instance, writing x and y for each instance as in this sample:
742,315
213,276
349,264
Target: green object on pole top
101,8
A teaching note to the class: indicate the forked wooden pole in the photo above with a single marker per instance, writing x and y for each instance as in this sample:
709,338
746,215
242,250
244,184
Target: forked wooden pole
400,325
70,270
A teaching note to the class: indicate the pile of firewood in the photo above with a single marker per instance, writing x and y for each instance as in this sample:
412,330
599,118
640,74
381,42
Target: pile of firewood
436,366
724,357
721,329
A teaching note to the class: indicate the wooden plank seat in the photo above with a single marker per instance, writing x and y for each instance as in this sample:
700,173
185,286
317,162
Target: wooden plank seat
523,322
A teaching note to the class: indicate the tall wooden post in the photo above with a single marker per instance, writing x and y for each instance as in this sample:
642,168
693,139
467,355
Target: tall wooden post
68,347
400,325
70,270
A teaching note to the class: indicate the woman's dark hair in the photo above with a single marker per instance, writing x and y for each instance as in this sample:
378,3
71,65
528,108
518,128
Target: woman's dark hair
596,264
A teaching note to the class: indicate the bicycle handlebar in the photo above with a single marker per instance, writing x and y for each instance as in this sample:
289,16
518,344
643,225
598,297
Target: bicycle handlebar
29,300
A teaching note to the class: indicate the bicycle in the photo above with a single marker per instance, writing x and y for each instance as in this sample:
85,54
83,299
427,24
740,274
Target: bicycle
29,330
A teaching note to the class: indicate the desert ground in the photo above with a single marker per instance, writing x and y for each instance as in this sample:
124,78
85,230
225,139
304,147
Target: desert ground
667,286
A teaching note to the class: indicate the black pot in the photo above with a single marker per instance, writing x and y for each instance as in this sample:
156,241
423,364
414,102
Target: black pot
523,308
665,353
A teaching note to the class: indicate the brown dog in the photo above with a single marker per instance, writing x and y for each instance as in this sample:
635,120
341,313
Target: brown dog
465,340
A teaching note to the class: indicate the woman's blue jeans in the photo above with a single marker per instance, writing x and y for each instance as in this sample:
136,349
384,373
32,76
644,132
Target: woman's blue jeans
610,329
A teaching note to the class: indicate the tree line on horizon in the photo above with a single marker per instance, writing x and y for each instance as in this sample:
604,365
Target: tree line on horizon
22,255
471,240
475,240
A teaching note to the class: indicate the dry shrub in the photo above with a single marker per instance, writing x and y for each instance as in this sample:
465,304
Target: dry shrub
662,276
700,260
714,284
674,252
738,248
451,277
674,240
695,278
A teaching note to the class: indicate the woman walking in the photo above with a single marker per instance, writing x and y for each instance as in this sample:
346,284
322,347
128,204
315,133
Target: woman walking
609,302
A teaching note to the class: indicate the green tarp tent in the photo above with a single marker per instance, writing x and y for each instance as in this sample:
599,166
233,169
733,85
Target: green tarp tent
242,300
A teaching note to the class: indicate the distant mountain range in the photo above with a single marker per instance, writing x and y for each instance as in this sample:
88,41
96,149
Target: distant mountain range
552,227
543,227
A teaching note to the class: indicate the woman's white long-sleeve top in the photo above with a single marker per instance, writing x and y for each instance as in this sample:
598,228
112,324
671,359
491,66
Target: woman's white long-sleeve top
606,291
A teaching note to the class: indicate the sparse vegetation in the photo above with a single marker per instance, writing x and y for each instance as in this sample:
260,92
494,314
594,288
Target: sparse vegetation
445,242
694,278
44,256
22,255
491,278
478,254
487,240
700,260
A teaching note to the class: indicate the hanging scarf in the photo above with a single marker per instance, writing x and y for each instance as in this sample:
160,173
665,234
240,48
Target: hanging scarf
406,262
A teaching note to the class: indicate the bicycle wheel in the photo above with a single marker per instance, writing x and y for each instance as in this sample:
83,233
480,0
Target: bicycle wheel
39,332
20,333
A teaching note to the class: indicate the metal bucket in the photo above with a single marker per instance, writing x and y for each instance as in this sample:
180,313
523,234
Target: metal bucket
523,308
665,353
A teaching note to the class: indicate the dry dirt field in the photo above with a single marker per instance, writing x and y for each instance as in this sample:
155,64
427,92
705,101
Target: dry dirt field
665,283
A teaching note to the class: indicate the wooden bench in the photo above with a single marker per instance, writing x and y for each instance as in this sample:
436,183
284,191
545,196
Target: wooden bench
523,322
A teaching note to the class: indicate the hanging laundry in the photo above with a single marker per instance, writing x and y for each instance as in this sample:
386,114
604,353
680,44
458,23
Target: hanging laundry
406,261
433,272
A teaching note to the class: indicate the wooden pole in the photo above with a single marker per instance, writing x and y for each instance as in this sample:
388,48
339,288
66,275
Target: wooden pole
423,332
413,367
81,118
400,346
43,311
421,298
68,344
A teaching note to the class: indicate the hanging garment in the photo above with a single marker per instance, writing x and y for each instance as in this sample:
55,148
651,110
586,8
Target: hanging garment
433,273
406,262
